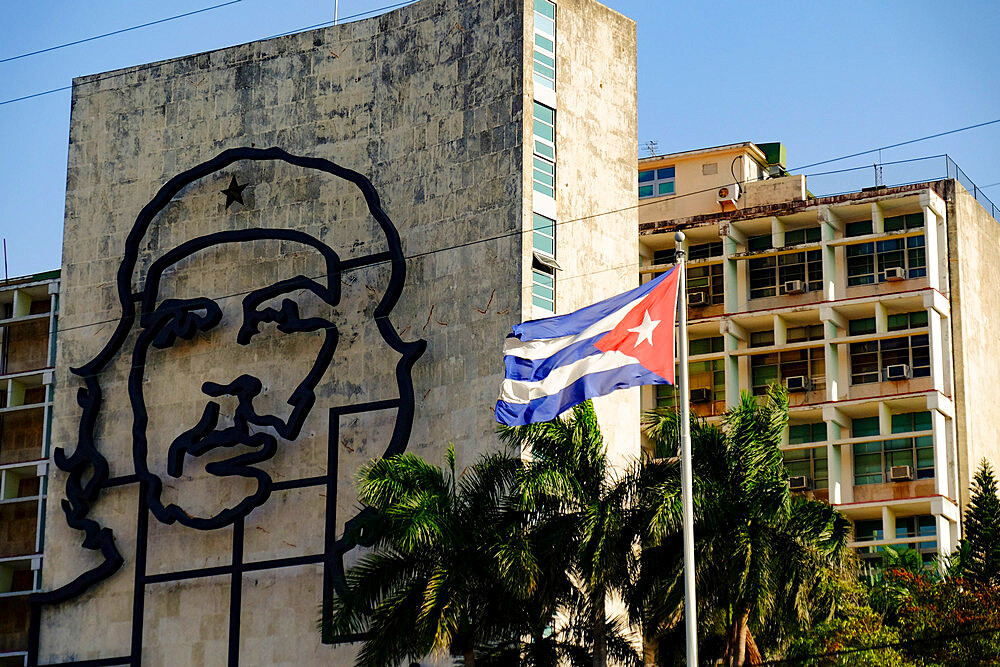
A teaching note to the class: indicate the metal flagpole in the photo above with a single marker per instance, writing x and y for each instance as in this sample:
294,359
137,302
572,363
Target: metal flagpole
690,610
336,6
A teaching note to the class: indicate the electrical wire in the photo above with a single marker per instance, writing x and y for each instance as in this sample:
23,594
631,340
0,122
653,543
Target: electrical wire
117,32
897,145
140,68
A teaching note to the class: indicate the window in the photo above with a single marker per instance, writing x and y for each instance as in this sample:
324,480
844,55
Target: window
707,280
543,266
917,526
806,235
870,358
705,345
809,463
544,172
667,256
872,460
897,322
898,223
760,242
777,366
696,252
545,44
544,235
868,529
859,228
761,338
709,375
804,333
768,275
792,335
656,182
543,286
866,262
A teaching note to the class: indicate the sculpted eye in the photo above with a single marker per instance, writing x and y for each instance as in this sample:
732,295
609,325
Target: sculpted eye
287,318
183,319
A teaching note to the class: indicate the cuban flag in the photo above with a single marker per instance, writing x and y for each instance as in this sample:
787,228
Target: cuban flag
555,363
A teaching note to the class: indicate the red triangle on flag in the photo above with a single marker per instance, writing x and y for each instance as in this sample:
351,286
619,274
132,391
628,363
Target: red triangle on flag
646,333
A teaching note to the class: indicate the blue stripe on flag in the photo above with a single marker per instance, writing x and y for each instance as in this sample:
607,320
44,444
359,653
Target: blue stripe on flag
588,386
531,370
577,321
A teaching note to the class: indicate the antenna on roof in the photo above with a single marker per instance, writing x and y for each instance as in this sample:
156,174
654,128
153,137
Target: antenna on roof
651,147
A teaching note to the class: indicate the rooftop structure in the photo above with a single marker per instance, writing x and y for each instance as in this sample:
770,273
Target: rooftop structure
28,312
871,307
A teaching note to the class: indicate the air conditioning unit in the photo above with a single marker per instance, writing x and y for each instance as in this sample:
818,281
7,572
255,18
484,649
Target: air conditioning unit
798,483
697,299
897,372
894,274
729,193
701,395
900,474
796,287
798,383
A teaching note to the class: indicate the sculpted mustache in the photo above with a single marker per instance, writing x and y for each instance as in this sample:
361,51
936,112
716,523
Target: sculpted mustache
203,437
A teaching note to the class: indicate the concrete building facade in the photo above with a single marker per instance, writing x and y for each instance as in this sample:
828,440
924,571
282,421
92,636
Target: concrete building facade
286,258
872,307
28,320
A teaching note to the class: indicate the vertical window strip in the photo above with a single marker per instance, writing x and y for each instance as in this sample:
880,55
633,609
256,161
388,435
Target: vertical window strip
544,166
545,44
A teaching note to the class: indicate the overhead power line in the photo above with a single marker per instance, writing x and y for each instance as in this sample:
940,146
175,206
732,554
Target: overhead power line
148,65
897,145
117,32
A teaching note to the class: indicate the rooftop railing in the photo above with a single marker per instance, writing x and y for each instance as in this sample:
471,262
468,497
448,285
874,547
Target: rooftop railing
896,173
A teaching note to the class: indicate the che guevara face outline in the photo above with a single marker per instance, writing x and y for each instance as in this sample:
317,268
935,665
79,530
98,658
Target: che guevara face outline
165,322
88,470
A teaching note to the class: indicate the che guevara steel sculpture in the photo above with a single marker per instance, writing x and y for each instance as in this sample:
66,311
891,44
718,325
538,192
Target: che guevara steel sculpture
160,323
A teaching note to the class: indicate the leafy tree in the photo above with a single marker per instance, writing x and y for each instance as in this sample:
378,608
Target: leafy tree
860,639
978,557
449,567
572,490
767,561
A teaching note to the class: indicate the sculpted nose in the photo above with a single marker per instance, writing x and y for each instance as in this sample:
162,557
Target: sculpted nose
244,388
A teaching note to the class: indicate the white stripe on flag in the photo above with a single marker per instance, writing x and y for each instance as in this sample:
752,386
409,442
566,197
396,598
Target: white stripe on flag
543,348
520,391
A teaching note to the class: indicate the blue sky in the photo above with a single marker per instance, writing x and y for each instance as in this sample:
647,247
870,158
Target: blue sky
827,79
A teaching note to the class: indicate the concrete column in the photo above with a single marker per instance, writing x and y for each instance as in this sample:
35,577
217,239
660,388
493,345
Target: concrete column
878,219
830,225
780,330
777,232
839,466
884,419
881,318
730,271
733,334
939,425
931,248
946,537
936,335
888,523
833,324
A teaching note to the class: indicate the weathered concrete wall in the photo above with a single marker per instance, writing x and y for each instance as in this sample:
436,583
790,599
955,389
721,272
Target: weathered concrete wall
427,102
974,273
596,135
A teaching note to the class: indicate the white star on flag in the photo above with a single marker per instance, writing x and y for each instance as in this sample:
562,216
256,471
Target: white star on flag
645,330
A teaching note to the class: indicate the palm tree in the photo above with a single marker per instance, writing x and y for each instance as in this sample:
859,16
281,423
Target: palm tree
766,560
568,484
450,567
